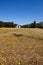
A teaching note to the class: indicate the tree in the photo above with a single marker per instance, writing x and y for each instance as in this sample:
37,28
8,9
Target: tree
1,23
34,24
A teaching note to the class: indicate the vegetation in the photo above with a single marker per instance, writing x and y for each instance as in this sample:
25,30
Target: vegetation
7,24
17,49
31,25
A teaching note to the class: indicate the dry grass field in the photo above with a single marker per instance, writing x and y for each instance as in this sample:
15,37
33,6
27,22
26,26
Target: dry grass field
22,46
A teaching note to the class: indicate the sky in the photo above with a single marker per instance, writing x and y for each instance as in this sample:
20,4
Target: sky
21,11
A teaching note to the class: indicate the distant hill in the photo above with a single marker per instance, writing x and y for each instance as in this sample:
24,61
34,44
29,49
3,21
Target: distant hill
41,22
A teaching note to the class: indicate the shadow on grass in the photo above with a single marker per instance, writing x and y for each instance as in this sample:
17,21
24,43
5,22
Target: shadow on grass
17,34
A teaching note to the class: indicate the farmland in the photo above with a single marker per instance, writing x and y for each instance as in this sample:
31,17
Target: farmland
22,46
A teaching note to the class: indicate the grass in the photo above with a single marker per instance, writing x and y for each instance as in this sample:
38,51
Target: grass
22,46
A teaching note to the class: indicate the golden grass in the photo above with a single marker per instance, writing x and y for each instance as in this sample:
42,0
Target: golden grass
22,46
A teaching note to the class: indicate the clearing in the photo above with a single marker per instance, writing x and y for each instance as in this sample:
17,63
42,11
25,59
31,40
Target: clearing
22,46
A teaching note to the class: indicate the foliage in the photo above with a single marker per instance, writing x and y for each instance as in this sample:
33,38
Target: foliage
39,25
7,24
33,25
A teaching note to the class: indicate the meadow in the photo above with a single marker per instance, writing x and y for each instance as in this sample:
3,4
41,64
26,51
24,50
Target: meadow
22,46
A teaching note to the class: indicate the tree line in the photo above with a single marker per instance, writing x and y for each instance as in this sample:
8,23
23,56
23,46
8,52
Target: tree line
12,24
33,25
7,24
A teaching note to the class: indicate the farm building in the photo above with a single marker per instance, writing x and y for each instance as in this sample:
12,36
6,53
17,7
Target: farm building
18,26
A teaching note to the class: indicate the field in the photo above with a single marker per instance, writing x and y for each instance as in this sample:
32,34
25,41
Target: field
22,46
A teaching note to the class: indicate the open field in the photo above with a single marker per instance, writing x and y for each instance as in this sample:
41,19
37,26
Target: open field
22,46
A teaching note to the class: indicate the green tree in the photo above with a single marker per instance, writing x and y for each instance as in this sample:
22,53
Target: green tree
34,24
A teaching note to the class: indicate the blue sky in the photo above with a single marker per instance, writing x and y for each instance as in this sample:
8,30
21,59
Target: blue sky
21,11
